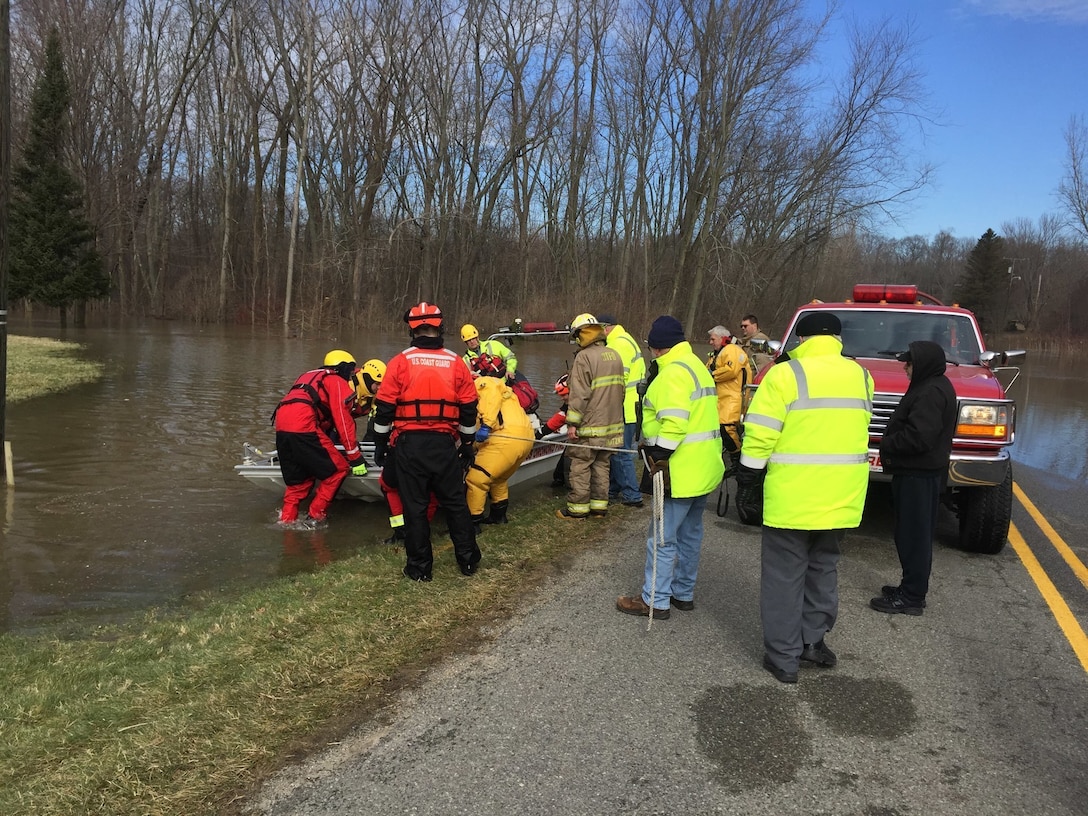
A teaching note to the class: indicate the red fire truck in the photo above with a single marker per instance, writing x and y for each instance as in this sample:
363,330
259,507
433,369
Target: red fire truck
878,323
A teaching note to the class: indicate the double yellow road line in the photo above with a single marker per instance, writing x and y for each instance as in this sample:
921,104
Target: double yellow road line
1066,620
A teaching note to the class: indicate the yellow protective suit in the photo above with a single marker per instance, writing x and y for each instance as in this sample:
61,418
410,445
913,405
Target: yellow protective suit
497,458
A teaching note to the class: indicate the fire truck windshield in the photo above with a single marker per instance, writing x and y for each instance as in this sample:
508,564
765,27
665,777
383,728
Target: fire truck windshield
883,333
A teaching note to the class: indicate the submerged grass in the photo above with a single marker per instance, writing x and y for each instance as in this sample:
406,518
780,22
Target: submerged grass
38,365
182,714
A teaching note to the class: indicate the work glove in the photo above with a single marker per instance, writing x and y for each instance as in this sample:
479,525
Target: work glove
381,448
467,452
656,460
539,432
749,498
359,469
483,434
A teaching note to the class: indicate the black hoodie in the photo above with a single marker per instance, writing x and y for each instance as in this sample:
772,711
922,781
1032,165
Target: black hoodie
920,430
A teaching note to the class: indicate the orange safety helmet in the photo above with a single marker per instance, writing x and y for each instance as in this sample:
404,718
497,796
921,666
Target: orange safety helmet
423,314
562,388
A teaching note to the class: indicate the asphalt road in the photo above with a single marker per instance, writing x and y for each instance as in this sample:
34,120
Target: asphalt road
976,707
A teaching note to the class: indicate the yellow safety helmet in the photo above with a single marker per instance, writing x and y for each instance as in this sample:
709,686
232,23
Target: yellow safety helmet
579,323
370,377
469,332
336,357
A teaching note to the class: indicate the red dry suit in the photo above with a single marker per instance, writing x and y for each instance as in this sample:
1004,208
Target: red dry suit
318,403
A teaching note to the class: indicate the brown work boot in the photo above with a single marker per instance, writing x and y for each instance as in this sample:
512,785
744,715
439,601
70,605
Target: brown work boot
564,513
634,605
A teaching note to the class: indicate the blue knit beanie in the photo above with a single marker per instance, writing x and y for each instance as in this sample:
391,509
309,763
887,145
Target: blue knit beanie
665,333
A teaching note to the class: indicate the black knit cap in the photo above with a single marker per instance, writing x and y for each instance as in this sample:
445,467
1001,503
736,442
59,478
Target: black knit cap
815,323
665,333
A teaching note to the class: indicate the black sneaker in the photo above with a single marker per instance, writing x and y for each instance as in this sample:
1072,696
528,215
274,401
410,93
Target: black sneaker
683,606
819,654
888,591
897,604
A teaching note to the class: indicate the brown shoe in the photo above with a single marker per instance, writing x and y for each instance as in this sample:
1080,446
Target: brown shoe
564,513
634,605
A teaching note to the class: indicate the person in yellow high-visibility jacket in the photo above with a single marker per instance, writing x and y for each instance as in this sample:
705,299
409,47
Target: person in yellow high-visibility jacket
503,440
622,479
682,441
806,443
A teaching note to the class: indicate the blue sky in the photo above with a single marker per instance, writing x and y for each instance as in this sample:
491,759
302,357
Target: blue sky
1005,76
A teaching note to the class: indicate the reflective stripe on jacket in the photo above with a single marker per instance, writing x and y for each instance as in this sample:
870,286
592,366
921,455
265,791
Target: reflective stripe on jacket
634,368
426,389
680,413
808,424
595,404
494,347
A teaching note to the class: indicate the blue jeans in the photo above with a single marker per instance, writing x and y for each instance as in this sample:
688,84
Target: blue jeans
621,471
677,555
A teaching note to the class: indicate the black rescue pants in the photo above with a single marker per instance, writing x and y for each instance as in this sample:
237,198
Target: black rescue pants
917,498
427,462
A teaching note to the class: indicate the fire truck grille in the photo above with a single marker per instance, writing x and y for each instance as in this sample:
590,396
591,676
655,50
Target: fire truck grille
883,405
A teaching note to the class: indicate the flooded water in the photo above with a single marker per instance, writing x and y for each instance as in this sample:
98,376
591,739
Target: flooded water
126,497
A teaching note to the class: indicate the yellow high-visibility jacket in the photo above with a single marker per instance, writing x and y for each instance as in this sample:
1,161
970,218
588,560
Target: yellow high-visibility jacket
634,368
680,413
808,425
494,347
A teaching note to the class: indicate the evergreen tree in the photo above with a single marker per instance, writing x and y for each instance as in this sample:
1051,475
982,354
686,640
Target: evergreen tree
53,258
983,284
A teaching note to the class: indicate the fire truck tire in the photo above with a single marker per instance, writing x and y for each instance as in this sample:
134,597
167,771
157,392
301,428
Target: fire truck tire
985,513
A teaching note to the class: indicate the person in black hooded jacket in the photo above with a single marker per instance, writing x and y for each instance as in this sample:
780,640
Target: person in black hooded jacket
915,450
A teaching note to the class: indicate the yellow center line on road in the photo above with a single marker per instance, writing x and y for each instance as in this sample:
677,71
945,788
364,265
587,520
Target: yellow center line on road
1068,623
1063,549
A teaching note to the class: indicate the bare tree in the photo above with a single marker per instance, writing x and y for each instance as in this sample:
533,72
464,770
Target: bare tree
1073,190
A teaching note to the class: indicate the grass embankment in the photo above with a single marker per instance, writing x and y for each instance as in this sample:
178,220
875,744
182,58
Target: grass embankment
181,715
38,366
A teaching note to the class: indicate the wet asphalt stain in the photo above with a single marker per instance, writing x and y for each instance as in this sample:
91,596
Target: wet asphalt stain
861,707
753,734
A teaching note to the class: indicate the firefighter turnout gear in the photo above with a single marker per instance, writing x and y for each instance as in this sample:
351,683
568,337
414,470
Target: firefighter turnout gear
510,440
680,422
316,408
808,425
425,406
594,419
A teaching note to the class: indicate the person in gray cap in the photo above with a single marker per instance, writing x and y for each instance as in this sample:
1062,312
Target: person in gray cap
804,473
915,450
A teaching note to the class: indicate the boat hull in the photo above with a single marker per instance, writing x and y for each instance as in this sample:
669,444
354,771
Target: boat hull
263,469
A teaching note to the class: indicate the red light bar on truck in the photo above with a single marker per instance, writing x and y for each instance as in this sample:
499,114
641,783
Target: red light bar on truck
879,293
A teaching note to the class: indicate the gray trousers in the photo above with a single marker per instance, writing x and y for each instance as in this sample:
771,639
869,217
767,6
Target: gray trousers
799,590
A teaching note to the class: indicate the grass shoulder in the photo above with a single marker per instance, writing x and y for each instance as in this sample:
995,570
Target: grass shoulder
38,366
184,713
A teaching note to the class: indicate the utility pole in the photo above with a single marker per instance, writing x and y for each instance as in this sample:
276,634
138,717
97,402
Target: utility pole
5,200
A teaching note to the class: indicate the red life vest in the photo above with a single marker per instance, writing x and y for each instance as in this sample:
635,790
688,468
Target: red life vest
428,388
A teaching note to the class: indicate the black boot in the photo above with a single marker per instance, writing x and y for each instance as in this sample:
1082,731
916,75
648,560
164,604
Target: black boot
498,512
396,538
476,522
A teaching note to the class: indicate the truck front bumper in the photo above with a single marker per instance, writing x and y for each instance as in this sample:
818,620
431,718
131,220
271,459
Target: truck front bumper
964,470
